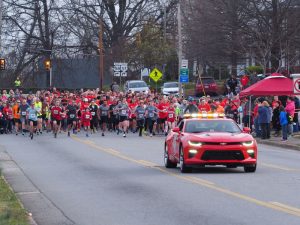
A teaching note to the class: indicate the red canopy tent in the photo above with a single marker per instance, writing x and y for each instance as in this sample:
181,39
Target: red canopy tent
275,84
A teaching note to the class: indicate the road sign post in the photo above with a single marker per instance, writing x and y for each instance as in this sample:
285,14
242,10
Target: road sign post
296,81
120,70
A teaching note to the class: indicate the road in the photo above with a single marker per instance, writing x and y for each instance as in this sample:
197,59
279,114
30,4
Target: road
113,180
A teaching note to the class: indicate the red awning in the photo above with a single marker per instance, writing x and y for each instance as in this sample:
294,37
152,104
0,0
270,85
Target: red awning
276,85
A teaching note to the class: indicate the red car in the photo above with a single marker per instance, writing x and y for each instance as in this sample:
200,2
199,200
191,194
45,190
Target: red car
198,142
207,85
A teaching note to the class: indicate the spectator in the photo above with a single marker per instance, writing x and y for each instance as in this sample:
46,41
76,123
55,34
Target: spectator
231,85
245,81
264,119
284,123
290,110
275,118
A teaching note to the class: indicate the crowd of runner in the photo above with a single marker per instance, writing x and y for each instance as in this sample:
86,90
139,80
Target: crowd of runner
94,111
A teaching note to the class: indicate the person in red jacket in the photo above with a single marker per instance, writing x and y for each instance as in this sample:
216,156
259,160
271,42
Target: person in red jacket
244,81
86,118
203,106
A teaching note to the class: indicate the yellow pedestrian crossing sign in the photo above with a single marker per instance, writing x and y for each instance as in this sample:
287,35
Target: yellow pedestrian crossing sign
155,74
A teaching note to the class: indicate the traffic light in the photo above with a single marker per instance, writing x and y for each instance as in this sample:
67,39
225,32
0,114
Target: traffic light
48,64
2,64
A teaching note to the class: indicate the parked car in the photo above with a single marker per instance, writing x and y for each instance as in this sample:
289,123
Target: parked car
136,86
207,84
170,88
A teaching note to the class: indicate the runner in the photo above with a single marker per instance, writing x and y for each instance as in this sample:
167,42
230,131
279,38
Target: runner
32,118
94,109
123,110
151,115
16,116
104,115
163,114
38,106
171,120
23,111
72,117
56,111
140,117
86,118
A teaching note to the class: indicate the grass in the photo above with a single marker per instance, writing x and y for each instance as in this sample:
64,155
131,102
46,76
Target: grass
11,211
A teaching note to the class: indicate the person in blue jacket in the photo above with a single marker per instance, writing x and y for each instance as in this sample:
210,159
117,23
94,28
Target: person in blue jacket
284,123
264,119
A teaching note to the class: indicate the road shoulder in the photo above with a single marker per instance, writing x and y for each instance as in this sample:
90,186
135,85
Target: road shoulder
43,211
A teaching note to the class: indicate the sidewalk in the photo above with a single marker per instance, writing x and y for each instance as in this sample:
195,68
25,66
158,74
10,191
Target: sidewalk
292,142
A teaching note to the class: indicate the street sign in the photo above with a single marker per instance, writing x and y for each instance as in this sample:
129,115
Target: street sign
120,69
296,80
117,74
184,76
145,72
184,64
155,75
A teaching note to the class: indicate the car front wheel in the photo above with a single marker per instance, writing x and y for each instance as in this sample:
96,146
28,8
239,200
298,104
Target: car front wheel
183,167
250,168
167,161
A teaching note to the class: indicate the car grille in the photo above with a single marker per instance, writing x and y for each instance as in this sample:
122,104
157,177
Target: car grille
221,143
223,155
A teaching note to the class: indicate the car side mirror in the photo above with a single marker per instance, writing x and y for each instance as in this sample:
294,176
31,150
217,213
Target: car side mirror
247,130
176,129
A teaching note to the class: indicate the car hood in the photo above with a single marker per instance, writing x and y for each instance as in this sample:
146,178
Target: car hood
139,89
220,137
171,89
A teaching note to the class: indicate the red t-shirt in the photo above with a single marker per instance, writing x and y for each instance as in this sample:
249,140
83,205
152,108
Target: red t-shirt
171,115
8,112
205,107
86,117
163,107
55,112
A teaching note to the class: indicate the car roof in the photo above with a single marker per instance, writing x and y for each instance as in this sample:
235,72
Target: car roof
135,81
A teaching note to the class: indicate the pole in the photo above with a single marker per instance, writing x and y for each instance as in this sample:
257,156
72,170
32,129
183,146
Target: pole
179,46
165,40
50,76
1,13
101,56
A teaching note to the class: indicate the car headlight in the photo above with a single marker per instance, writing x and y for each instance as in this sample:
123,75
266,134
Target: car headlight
248,143
195,143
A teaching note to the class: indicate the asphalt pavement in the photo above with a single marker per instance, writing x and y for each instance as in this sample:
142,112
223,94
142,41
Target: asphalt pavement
113,180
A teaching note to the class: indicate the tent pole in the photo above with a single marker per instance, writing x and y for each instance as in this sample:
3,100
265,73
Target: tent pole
250,106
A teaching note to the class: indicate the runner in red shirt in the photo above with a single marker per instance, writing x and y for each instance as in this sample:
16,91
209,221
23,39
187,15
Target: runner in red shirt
8,115
132,117
56,111
86,117
171,120
162,114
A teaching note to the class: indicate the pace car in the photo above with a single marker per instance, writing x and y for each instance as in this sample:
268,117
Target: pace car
210,139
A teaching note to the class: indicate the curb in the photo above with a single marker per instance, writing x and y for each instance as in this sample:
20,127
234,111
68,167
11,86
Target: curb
279,144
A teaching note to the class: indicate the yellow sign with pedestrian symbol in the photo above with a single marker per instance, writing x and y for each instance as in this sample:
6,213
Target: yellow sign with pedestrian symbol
155,75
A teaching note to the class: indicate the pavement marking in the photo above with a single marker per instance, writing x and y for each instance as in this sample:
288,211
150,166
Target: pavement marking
203,183
277,167
149,164
286,206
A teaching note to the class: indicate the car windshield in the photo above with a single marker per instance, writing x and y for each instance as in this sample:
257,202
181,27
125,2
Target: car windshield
171,85
137,85
206,81
199,126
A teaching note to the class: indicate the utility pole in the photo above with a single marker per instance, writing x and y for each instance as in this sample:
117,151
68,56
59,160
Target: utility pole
101,55
1,14
179,45
165,40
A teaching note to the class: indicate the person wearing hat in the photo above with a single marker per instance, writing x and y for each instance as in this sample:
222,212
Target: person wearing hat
191,107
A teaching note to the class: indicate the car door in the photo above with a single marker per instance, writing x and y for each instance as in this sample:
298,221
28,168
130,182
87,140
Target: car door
177,140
